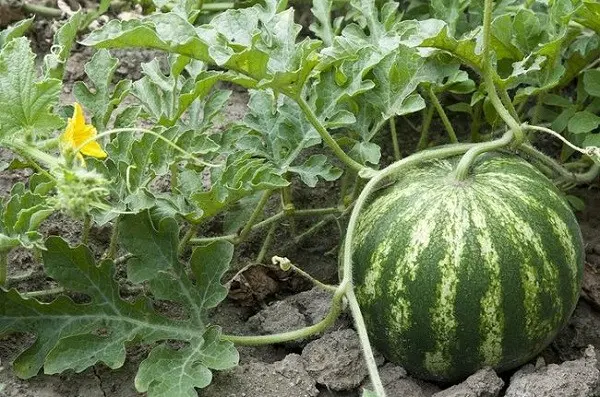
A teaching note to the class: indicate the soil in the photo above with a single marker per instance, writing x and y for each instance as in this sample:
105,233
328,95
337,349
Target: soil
265,300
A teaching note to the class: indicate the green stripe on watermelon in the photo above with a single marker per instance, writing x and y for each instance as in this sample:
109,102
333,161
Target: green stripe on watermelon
453,276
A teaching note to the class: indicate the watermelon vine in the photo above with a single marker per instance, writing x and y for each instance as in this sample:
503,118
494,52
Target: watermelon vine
304,92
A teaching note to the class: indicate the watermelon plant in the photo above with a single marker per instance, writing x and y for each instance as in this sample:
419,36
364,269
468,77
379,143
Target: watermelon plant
456,257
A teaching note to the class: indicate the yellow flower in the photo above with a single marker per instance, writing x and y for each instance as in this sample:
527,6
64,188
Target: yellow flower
78,132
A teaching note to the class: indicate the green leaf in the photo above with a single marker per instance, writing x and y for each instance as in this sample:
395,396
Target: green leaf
64,39
153,243
556,100
321,26
560,123
209,263
435,33
26,102
591,82
450,11
102,99
168,372
397,77
369,393
252,41
591,140
239,213
314,167
242,176
283,128
21,215
583,122
13,31
366,152
527,30
589,15
77,336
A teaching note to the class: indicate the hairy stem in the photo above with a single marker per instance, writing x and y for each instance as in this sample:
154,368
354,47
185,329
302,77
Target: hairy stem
579,178
191,232
288,207
275,218
476,123
266,244
169,142
114,236
258,211
424,139
174,170
507,101
41,10
393,132
462,169
332,315
285,264
488,76
3,268
327,138
363,337
443,116
588,151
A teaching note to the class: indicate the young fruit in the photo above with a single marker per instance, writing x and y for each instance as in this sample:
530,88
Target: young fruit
455,275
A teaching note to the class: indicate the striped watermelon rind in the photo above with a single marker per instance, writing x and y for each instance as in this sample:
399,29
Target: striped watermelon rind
453,276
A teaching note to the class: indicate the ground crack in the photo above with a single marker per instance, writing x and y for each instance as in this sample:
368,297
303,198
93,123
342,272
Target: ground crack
99,379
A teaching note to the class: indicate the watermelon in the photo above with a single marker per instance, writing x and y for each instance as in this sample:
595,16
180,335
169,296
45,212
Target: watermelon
453,276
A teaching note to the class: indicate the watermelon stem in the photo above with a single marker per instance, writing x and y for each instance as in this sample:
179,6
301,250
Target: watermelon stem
590,151
440,110
427,117
363,337
327,138
462,169
488,77
578,178
332,315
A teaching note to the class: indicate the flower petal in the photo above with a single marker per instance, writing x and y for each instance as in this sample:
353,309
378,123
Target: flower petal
78,116
94,149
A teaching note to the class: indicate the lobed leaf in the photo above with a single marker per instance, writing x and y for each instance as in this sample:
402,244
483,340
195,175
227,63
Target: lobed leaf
77,336
16,30
314,167
26,102
152,242
102,98
64,39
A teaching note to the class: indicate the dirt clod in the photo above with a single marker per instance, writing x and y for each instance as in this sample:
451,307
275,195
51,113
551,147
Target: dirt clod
336,360
578,378
297,311
287,377
279,317
582,330
483,383
397,383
